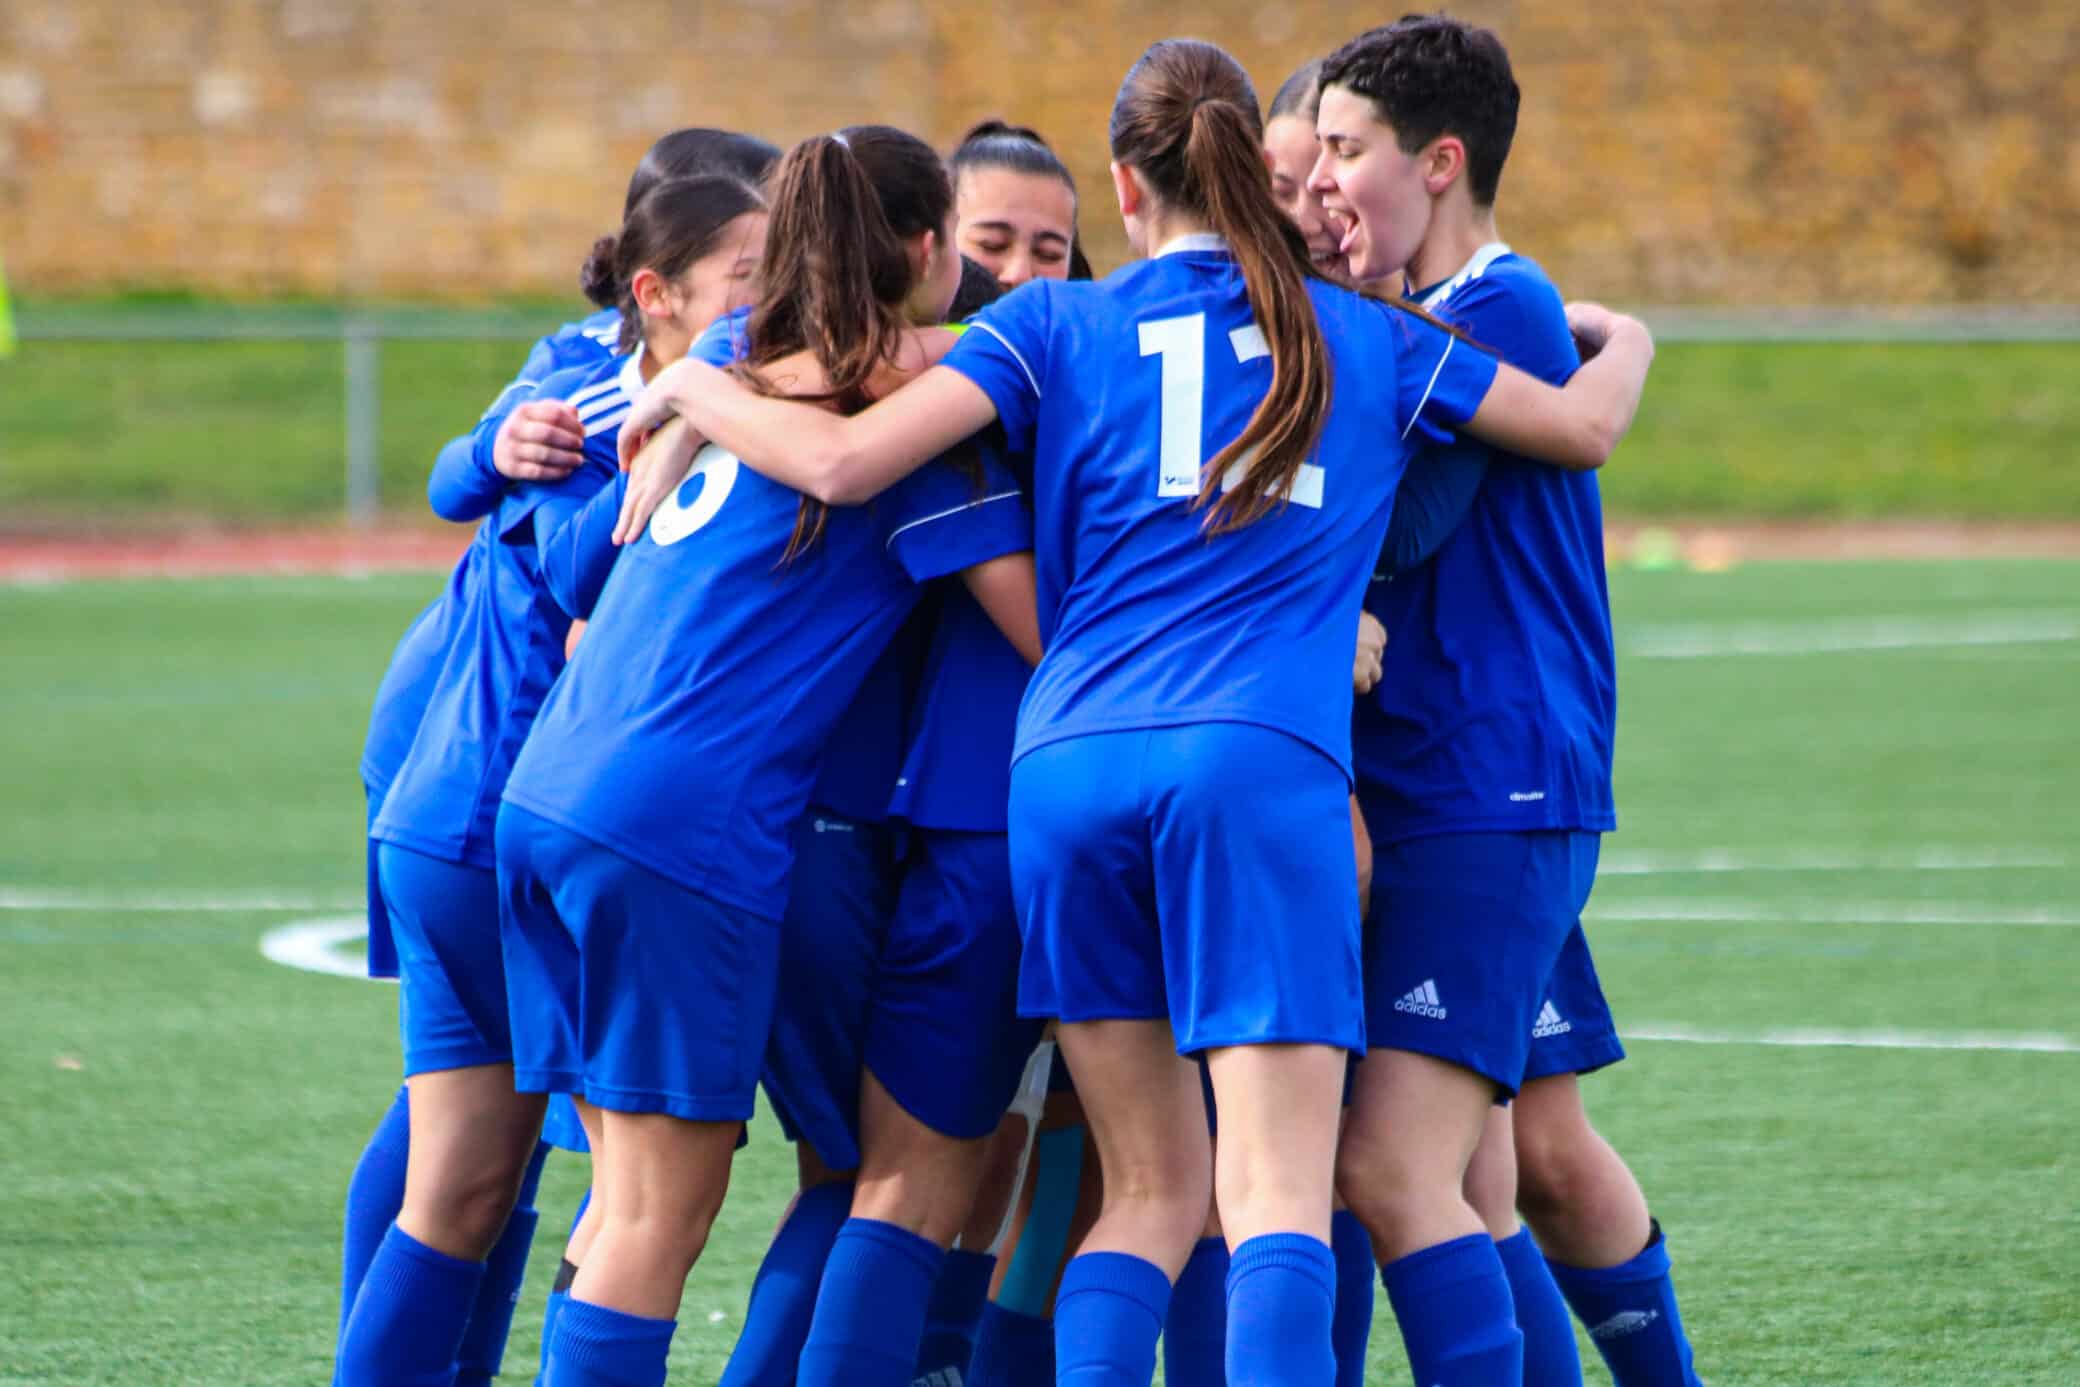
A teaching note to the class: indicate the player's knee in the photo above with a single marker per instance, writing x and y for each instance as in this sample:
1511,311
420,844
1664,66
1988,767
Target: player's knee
1491,1188
912,1200
462,1215
1556,1162
1387,1178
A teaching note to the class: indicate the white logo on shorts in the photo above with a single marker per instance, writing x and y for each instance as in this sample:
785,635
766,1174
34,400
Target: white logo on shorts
1549,1023
1422,1001
1623,1323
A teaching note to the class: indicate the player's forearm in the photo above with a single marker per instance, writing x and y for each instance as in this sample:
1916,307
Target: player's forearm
1615,379
797,445
463,486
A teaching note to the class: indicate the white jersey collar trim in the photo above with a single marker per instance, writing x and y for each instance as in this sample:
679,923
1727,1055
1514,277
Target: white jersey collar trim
1191,241
1473,269
631,374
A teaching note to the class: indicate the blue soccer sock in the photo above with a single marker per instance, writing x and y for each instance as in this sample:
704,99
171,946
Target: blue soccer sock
374,1195
598,1347
1107,1316
409,1317
956,1309
491,1319
559,1296
1195,1336
1550,1356
1281,1308
1631,1313
870,1311
783,1294
1457,1321
1356,1272
1012,1349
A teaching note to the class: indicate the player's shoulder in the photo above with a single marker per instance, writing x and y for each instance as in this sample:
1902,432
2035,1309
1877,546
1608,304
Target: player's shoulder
600,390
1513,307
589,340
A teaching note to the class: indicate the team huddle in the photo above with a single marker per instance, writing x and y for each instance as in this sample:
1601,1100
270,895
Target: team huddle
1120,762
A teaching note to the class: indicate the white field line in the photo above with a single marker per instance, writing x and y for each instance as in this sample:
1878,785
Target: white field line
164,902
1704,641
1821,912
309,945
1809,1038
1617,864
1920,860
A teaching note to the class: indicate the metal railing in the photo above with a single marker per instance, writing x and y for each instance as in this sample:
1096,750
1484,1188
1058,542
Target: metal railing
361,334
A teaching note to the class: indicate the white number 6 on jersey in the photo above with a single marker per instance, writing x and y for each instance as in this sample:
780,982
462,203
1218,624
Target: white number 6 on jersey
716,471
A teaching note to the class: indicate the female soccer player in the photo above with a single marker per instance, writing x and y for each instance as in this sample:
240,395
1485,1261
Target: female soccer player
537,440
682,256
1199,618
1486,776
1016,202
524,438
645,841
1289,142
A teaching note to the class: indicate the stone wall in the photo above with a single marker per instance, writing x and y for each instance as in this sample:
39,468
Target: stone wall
1869,151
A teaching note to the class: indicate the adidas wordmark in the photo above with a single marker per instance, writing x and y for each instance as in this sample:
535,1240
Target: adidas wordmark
1422,1001
1550,1023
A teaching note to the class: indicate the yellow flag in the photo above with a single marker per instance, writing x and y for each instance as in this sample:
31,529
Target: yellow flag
6,318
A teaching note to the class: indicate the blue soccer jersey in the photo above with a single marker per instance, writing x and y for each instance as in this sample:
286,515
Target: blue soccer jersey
1120,390
400,701
687,732
507,646
465,485
957,767
1499,697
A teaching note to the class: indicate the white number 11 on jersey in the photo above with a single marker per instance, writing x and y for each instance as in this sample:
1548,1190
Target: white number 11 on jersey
1180,343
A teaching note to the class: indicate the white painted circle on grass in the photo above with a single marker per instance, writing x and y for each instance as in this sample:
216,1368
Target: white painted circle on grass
312,945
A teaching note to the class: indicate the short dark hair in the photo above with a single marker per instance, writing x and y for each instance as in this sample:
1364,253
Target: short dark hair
696,150
1299,94
1430,75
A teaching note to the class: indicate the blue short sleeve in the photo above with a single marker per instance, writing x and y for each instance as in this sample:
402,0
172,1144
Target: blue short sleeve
1440,379
942,519
1004,351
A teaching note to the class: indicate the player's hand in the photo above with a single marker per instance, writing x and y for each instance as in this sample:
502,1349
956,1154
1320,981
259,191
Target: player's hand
540,441
1592,325
1369,665
653,474
650,410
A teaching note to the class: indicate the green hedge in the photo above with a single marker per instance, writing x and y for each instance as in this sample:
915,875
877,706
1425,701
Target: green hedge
255,430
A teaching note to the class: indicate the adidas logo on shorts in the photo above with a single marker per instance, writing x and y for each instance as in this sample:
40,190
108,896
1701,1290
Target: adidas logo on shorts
1422,1001
1549,1023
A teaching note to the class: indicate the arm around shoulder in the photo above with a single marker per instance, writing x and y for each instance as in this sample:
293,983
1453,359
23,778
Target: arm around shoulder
1581,425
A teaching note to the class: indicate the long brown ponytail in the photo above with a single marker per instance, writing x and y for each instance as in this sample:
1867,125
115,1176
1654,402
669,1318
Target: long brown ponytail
1186,120
836,269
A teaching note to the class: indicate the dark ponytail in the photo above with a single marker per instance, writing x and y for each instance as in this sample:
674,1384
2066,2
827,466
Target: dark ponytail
676,223
596,278
837,269
1186,120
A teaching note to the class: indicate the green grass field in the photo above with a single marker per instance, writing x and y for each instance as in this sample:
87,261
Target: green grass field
1860,831
254,431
